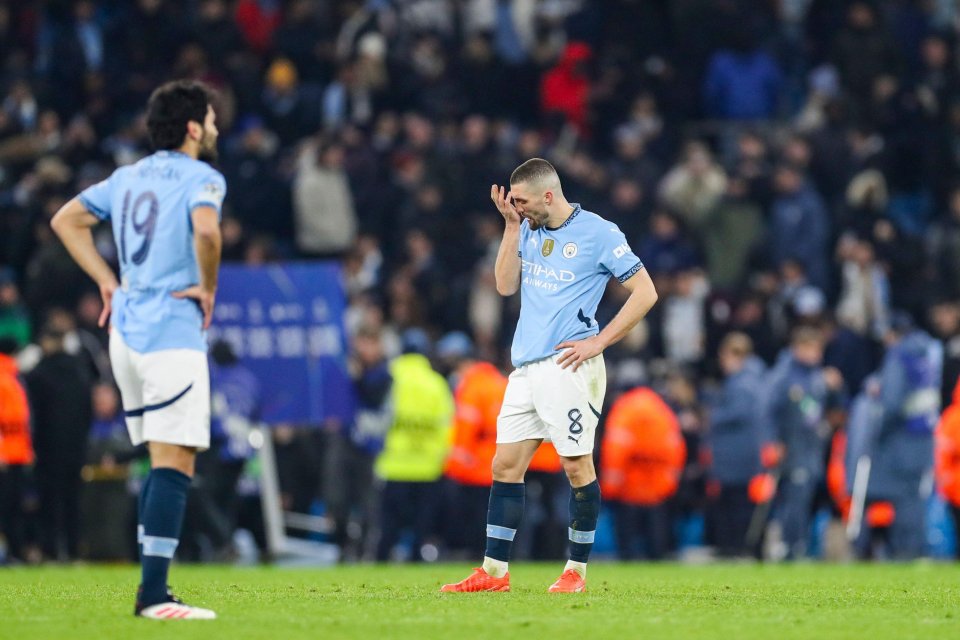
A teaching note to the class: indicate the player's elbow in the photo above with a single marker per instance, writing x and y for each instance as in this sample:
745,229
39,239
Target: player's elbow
60,221
207,234
56,223
507,289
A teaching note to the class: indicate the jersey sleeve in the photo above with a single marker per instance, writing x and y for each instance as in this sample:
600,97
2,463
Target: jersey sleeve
523,229
208,191
96,198
616,256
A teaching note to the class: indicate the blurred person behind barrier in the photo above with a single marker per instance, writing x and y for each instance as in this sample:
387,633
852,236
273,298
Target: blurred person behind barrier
799,392
354,449
60,391
903,450
734,439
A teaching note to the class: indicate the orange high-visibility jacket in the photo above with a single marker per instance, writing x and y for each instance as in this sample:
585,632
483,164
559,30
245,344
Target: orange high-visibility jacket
837,474
642,453
15,444
545,459
477,399
947,450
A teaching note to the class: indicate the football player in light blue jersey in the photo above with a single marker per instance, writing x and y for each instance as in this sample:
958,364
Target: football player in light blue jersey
165,213
560,257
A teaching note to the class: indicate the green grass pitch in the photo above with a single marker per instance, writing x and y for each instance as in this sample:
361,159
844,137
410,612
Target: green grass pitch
866,602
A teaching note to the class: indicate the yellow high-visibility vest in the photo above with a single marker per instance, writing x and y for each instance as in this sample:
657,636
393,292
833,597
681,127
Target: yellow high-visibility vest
417,443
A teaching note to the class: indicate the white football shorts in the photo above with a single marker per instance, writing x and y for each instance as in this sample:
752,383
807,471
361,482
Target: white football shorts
166,394
562,406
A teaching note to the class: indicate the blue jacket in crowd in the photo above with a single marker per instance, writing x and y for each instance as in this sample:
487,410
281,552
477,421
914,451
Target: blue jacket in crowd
910,395
800,230
374,411
742,86
735,434
795,406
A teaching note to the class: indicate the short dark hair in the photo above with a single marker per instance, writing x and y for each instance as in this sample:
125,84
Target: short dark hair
533,170
171,107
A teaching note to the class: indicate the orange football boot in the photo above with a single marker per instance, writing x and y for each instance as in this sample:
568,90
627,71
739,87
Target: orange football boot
479,580
568,582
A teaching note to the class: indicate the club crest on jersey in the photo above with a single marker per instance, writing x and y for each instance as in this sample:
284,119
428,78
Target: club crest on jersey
547,248
212,192
570,250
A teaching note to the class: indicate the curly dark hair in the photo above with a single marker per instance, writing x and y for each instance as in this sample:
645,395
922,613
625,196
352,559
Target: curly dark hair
171,107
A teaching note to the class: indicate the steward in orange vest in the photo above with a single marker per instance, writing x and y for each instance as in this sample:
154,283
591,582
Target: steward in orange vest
642,456
15,444
947,459
16,451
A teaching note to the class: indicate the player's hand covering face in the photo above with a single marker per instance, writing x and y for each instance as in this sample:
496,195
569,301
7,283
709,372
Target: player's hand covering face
526,205
504,203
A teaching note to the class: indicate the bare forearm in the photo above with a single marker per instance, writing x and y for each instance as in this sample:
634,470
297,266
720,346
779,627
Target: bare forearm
640,302
72,227
507,269
207,247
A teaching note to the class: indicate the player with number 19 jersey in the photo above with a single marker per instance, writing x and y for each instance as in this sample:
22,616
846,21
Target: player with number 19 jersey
149,205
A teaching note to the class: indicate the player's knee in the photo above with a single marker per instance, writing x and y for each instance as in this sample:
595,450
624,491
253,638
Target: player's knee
579,470
506,470
172,456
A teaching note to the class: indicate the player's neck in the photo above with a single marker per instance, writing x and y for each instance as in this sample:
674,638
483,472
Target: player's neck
191,150
559,213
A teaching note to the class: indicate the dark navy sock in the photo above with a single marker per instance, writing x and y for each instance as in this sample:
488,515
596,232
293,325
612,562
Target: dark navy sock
141,501
163,511
584,512
503,518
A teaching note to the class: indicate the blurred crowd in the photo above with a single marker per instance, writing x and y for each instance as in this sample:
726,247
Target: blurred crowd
786,170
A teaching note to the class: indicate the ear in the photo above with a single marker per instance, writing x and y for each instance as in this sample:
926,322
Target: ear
194,130
548,197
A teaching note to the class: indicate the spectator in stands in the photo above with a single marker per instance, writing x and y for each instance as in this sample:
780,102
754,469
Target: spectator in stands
694,187
800,226
743,82
14,321
565,92
325,220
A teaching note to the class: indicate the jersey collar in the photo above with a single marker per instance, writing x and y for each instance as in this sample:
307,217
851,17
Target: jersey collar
573,214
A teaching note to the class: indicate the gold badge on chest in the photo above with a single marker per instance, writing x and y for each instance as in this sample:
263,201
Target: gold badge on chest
547,247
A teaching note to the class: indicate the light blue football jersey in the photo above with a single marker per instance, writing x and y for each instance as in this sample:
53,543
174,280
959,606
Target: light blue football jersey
563,275
149,205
